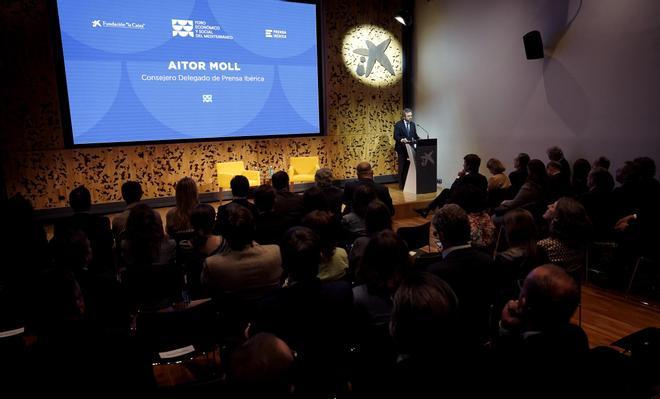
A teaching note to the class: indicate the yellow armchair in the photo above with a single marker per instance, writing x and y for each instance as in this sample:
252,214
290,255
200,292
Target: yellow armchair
302,169
227,171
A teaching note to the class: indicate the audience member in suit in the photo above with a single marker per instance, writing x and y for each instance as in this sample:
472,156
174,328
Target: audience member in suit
405,131
468,270
147,265
96,228
334,260
353,223
246,270
557,155
312,316
432,361
376,219
131,192
269,226
558,185
514,263
261,367
519,175
532,192
333,195
287,204
240,187
599,203
365,178
538,341
177,219
570,234
581,169
469,175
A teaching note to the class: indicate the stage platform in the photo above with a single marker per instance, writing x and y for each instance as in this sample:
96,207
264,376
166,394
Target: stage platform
405,203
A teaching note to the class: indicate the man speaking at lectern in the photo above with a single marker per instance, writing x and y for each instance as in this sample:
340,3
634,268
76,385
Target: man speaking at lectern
404,131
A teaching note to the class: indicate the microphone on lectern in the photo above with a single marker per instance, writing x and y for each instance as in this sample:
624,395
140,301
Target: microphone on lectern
427,132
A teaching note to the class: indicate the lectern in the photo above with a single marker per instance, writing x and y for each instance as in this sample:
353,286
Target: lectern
423,172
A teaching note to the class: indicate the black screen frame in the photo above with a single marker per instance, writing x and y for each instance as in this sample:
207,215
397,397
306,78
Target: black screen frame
65,110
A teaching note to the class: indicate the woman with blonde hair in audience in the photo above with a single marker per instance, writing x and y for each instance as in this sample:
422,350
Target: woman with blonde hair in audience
178,218
498,180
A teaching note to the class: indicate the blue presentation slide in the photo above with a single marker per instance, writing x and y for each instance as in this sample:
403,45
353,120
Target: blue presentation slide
152,70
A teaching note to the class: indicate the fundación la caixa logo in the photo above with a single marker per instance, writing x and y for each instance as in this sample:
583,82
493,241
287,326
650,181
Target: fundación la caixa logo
182,27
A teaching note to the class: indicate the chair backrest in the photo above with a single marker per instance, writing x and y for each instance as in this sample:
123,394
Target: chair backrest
304,165
416,236
179,332
230,168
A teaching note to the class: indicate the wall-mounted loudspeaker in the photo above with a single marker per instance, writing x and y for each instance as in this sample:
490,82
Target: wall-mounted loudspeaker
533,45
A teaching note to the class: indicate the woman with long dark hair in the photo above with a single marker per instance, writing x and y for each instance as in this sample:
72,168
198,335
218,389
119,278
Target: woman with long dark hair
178,218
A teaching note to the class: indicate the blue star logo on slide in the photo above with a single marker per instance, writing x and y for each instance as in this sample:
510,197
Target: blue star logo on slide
374,53
182,27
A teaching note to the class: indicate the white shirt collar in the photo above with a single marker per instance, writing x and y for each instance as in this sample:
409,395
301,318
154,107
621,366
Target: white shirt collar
447,251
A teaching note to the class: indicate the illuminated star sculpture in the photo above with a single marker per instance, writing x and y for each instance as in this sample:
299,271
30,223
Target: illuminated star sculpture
376,53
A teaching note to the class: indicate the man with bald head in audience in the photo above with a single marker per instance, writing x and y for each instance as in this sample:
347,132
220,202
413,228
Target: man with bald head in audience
537,340
365,177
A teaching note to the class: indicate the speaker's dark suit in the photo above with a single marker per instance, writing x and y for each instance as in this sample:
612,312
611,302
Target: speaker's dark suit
400,132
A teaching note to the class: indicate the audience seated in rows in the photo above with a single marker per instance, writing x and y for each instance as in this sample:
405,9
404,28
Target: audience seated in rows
397,331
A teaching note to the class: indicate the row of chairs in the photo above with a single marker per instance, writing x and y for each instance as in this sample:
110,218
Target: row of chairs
301,170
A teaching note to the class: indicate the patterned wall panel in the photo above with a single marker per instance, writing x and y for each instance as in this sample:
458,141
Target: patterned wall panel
359,121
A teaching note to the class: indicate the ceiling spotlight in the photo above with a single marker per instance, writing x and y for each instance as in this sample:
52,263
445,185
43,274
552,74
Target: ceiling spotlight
404,17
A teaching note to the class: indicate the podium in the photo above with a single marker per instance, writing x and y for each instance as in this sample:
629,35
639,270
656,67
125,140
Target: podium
423,170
